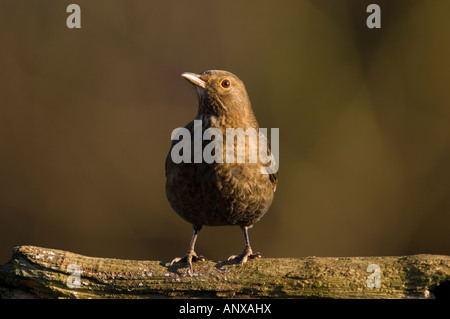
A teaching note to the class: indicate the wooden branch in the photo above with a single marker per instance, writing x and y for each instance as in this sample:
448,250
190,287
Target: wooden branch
35,272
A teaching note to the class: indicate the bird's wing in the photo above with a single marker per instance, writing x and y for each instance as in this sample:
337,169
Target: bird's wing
270,166
169,163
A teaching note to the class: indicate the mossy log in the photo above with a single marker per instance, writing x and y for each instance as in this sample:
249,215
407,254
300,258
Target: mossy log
35,272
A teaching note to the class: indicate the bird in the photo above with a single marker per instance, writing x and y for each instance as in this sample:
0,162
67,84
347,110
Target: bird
220,193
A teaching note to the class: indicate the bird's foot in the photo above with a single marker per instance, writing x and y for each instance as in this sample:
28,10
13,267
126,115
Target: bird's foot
246,254
188,258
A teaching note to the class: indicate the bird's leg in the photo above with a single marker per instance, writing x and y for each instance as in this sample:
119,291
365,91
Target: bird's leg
247,253
190,256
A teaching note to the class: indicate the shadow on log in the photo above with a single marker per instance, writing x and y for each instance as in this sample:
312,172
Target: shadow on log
35,272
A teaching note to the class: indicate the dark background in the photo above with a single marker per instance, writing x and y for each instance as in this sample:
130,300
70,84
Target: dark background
86,116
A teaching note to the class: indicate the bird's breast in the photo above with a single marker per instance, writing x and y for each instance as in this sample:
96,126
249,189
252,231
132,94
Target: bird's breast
219,190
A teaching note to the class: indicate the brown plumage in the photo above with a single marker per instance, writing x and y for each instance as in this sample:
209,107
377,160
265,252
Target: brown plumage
217,194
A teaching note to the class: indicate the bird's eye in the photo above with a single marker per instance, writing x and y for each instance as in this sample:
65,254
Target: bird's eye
225,83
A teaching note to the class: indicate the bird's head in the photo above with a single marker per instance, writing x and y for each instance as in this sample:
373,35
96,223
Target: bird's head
220,93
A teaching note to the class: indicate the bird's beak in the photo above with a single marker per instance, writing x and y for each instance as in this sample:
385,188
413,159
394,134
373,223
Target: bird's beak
194,79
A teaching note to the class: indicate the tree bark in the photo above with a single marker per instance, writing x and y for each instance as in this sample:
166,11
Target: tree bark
36,272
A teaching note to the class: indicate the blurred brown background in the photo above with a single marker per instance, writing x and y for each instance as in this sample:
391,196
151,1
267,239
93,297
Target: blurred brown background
86,117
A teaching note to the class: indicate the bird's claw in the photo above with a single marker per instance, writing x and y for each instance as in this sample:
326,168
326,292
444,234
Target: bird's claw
188,258
247,254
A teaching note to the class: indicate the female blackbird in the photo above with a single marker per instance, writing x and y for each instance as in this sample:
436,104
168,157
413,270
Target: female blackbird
220,192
